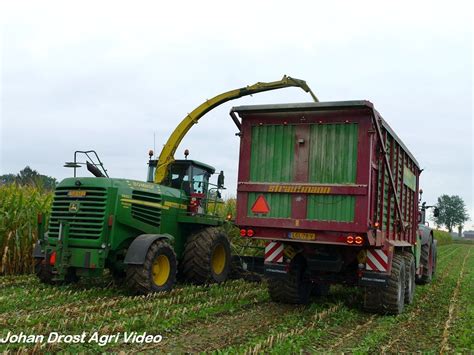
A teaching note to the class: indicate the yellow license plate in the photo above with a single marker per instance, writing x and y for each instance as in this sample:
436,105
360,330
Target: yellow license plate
302,236
76,193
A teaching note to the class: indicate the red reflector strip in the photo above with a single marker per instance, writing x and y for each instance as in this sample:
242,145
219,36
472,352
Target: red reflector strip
274,252
377,260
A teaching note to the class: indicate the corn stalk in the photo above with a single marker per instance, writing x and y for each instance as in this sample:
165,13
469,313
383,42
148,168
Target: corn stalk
19,208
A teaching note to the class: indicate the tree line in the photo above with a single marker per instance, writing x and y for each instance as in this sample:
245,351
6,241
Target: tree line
29,177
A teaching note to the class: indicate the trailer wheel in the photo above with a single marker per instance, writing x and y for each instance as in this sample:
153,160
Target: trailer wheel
410,273
393,298
207,257
320,290
293,288
158,272
372,299
426,260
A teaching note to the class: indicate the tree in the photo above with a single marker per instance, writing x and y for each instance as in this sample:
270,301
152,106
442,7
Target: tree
452,212
7,179
28,176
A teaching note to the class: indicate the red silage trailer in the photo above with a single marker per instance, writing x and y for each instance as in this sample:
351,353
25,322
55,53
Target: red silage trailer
333,191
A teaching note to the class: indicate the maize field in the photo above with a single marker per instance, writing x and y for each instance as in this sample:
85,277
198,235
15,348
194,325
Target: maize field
234,317
19,209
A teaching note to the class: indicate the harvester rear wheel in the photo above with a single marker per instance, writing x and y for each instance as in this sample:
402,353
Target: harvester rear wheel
45,274
158,272
293,288
44,271
207,257
393,297
410,273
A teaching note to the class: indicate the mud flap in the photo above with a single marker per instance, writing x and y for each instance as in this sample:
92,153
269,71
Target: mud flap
276,270
373,279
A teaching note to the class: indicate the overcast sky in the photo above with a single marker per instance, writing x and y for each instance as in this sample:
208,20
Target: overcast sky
108,75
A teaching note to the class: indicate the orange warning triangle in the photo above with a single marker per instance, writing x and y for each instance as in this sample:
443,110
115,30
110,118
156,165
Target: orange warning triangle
260,205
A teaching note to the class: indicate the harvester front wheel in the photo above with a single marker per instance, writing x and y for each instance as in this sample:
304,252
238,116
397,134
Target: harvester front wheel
207,257
294,287
158,272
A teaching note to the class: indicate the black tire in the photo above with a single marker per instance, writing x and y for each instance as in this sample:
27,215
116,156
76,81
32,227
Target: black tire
427,271
71,277
372,299
207,257
435,258
410,274
44,271
393,298
118,276
294,288
320,289
160,262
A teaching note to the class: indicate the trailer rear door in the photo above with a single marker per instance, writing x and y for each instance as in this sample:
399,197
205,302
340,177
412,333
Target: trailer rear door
305,166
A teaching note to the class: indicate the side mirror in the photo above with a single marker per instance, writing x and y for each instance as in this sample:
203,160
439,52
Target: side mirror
220,180
436,212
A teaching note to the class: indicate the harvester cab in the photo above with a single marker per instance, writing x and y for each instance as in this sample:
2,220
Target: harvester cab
192,178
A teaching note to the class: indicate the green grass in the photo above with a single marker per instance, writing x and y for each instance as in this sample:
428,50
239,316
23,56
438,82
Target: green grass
238,317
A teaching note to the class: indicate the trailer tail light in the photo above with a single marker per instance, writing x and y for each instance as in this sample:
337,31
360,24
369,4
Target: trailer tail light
359,240
350,239
247,233
52,259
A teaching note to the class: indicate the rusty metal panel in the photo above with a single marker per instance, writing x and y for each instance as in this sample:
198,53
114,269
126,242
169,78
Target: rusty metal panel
332,160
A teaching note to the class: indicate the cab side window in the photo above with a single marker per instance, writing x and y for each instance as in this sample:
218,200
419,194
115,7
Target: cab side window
200,180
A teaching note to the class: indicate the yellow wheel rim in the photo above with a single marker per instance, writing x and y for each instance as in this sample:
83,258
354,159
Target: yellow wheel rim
161,270
218,259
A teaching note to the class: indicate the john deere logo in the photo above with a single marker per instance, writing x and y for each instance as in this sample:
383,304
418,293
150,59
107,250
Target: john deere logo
73,207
